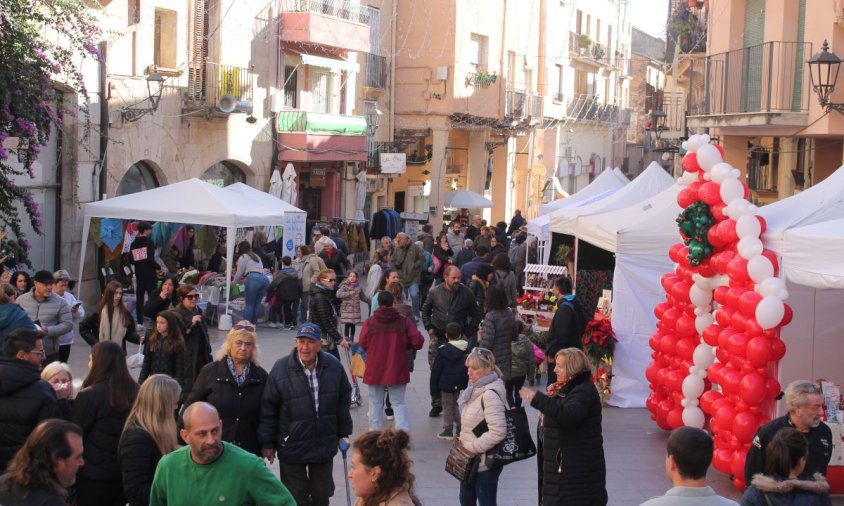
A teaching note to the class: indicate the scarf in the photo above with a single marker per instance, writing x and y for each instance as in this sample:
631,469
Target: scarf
113,329
484,283
239,379
466,396
554,388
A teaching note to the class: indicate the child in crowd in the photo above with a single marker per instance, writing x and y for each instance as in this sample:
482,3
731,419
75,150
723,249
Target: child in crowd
522,365
350,294
289,291
449,376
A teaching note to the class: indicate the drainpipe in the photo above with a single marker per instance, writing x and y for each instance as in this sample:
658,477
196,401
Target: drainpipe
98,189
393,73
501,58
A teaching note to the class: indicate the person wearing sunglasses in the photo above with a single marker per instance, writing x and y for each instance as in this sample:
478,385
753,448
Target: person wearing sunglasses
234,384
22,408
194,331
322,313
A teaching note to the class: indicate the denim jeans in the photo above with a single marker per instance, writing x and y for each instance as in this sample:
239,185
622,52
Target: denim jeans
256,289
484,491
376,406
412,293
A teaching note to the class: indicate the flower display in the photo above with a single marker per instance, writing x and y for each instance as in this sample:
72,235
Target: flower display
599,339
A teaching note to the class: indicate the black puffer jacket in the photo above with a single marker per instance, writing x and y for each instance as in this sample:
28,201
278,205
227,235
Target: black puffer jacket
139,456
197,344
321,311
573,442
289,422
499,330
239,407
338,263
164,360
102,427
25,400
443,306
449,373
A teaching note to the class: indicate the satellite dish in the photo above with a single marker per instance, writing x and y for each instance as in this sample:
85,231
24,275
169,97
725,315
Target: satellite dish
227,103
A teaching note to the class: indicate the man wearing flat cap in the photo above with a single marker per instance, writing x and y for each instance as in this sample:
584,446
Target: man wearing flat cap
49,311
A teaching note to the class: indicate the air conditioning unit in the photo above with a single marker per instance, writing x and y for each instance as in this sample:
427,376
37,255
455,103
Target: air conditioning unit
442,73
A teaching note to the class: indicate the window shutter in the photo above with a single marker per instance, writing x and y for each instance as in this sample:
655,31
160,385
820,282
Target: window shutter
198,47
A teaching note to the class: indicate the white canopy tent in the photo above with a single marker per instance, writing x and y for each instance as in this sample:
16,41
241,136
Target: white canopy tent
606,180
812,255
196,202
650,182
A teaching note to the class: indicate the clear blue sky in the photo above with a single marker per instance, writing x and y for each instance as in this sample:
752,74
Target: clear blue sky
648,16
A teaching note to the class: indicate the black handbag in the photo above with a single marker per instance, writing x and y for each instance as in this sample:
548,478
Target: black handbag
461,464
517,443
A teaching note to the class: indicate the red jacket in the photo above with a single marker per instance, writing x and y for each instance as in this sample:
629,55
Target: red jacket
386,336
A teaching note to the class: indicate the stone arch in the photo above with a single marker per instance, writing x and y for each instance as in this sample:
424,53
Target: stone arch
226,172
140,176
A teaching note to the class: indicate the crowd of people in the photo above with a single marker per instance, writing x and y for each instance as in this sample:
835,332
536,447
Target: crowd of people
196,428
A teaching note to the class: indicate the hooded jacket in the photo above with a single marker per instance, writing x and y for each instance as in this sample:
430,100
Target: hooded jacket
25,401
774,491
449,373
53,312
311,266
386,337
12,317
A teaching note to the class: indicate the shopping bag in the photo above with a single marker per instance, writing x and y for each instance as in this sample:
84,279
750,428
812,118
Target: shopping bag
517,443
538,354
358,367
461,464
136,361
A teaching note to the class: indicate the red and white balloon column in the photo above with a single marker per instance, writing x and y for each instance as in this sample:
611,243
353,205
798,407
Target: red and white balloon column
719,325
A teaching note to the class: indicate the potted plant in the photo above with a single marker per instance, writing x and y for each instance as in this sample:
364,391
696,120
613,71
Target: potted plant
584,41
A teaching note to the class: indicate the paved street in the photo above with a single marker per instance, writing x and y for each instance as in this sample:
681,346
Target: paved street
633,445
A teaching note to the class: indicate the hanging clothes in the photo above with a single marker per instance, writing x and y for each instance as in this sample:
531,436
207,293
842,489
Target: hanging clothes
94,231
206,240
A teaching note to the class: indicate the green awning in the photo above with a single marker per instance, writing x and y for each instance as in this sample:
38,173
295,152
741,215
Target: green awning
321,123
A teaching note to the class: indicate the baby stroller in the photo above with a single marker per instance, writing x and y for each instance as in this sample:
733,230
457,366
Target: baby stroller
357,366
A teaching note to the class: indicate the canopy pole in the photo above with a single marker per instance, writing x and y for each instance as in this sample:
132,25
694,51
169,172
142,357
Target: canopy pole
86,226
574,274
230,231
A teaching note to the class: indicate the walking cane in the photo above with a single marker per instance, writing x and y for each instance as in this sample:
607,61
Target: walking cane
344,447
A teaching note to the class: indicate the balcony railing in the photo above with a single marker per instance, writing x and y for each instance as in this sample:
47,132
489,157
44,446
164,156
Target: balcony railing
589,107
208,82
376,71
343,9
519,105
579,43
765,78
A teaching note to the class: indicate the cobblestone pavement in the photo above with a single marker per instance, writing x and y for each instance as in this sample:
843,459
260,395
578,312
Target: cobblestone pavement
633,445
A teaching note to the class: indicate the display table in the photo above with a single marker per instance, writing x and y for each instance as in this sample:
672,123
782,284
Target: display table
538,282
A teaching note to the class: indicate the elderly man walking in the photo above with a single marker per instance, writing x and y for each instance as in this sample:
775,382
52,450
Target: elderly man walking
408,259
448,302
49,311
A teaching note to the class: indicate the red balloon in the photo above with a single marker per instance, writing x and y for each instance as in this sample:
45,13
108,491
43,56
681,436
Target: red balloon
710,193
714,372
737,270
737,464
713,237
746,191
652,402
759,351
723,356
737,321
787,316
720,294
723,316
710,334
685,348
721,459
770,255
721,260
731,381
667,344
748,301
668,280
674,252
662,410
752,327
763,223
744,426
683,273
752,388
738,482
669,318
721,402
737,344
680,291
690,162
772,388
651,373
685,326
717,211
706,400
705,269
777,349
724,337
720,149
725,416
686,197
727,231
675,418
675,381
660,309
733,295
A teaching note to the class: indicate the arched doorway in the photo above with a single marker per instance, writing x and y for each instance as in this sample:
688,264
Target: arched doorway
224,173
140,177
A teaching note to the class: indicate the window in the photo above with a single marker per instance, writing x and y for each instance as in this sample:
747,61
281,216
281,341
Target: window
477,53
138,178
320,85
609,39
164,49
511,68
134,12
375,30
559,95
597,31
587,29
584,82
291,78
223,174
577,27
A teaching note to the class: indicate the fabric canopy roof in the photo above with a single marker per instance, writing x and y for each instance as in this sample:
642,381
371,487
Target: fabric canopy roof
606,180
262,200
650,182
812,255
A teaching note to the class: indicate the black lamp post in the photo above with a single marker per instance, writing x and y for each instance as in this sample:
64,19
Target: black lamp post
823,71
134,113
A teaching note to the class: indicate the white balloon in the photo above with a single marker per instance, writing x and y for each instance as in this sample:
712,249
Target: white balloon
783,294
700,311
693,417
721,172
703,356
769,312
748,225
703,321
700,297
759,268
736,173
684,402
692,387
770,286
749,246
707,177
705,138
702,373
707,156
731,189
744,208
686,145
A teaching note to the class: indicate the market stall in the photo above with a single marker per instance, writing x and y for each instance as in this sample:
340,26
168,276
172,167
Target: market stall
197,202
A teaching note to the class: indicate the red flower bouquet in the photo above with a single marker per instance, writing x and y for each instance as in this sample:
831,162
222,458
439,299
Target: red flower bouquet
599,339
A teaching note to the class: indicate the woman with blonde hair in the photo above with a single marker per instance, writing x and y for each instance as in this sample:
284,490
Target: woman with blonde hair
570,446
234,384
60,377
149,434
482,401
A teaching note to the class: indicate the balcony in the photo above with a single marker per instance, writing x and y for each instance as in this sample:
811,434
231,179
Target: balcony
520,105
376,71
762,85
339,24
584,49
310,136
589,108
208,82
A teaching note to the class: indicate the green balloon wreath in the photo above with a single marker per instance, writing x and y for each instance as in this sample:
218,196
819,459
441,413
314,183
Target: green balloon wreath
695,222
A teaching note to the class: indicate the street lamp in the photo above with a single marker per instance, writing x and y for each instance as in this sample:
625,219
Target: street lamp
658,119
823,71
134,113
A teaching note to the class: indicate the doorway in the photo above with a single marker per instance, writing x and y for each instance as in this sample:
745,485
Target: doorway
311,201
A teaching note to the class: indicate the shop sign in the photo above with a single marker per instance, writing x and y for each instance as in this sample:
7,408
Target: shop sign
317,178
393,163
415,190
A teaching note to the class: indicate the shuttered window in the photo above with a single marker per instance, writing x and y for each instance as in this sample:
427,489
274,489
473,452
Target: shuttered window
198,47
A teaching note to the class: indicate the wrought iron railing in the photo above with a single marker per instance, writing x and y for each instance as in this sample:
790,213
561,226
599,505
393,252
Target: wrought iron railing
217,81
343,9
515,104
769,77
376,71
374,150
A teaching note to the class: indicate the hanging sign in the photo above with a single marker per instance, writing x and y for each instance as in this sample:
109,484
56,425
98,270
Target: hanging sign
294,233
393,163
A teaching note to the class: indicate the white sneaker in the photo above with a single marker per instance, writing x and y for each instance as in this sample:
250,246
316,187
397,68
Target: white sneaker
273,325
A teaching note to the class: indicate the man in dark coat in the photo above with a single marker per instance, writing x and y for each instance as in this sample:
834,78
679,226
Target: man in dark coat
146,269
304,415
25,399
517,221
448,302
468,269
567,326
805,404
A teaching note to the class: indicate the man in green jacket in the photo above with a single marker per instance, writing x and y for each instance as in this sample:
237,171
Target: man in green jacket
408,259
210,471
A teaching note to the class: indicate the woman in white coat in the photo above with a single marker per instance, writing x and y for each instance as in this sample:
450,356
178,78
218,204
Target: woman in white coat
483,400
